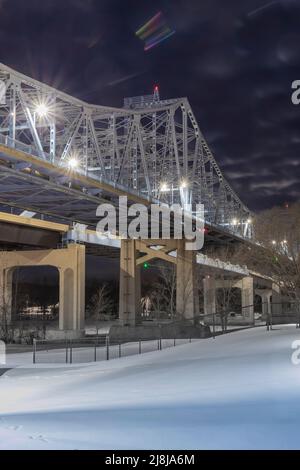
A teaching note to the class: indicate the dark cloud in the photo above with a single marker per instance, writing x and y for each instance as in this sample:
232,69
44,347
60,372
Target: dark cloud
234,60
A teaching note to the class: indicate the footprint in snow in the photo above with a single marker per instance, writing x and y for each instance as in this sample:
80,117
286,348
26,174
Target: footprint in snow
14,428
40,437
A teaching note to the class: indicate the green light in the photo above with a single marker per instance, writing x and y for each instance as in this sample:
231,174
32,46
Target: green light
146,265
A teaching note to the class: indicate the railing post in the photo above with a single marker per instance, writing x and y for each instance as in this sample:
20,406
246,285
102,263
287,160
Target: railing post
34,351
120,351
140,347
214,325
107,348
66,351
160,344
71,352
95,352
174,341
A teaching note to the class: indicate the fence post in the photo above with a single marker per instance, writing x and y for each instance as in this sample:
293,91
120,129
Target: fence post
174,341
120,351
107,348
95,352
268,324
190,339
140,347
214,325
160,344
34,350
71,352
66,351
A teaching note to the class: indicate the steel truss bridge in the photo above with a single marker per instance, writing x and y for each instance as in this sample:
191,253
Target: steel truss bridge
61,157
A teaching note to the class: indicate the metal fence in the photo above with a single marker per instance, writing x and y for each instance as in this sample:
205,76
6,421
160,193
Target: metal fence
96,349
275,313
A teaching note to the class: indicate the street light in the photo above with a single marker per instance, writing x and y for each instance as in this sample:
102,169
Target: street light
184,184
73,163
164,188
42,110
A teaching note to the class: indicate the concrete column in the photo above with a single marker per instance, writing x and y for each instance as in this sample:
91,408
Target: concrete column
247,298
72,290
277,307
6,285
130,285
187,299
71,265
209,290
266,302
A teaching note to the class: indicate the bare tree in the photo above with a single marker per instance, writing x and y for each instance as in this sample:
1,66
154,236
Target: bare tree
6,331
101,304
162,293
276,251
226,298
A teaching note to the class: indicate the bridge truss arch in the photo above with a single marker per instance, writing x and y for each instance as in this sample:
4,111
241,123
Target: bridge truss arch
155,149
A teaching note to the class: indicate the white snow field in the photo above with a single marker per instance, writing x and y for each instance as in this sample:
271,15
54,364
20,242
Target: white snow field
238,391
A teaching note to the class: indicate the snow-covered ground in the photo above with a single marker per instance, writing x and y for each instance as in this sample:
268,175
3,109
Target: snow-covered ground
239,390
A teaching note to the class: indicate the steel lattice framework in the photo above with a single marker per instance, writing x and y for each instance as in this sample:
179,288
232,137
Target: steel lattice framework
152,147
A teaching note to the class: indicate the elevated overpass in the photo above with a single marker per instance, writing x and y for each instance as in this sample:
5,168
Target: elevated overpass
61,157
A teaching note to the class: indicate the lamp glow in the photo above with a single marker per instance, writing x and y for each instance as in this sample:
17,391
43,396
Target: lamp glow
184,184
42,110
73,163
164,188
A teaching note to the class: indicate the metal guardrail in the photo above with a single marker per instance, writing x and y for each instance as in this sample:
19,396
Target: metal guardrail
97,349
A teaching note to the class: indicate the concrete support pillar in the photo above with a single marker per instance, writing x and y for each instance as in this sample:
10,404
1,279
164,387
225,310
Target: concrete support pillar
277,306
130,285
72,290
209,290
6,285
187,299
71,265
266,302
247,299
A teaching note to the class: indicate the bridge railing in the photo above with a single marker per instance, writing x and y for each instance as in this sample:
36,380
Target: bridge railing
31,150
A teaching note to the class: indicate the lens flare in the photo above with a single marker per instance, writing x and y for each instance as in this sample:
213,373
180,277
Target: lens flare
155,31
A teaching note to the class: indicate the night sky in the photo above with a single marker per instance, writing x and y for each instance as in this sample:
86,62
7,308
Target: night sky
234,59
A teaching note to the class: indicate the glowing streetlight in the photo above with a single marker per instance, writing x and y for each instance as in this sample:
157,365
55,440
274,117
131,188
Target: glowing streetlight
249,221
234,221
184,184
42,110
73,163
273,242
164,188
